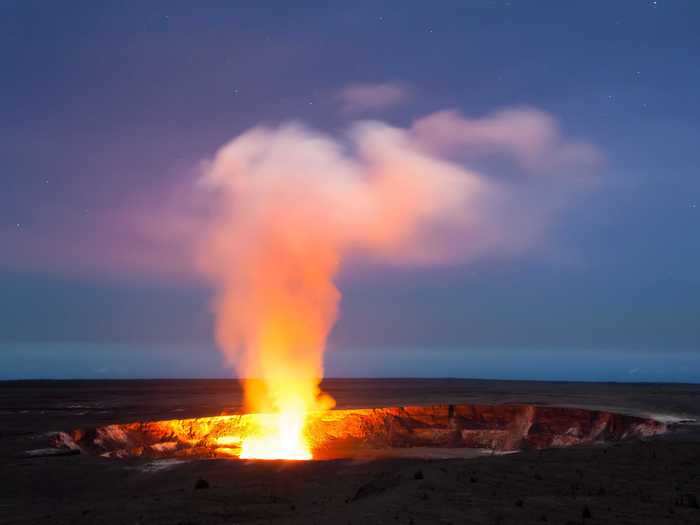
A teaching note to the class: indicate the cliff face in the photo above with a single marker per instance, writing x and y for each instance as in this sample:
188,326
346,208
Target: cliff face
498,427
342,433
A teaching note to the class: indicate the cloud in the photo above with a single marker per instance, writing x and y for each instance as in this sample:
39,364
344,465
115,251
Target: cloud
360,98
388,194
529,136
418,194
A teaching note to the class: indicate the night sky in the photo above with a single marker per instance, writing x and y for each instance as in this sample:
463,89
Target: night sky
106,106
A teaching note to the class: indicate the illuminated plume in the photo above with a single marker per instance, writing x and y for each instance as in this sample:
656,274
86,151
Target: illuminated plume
292,205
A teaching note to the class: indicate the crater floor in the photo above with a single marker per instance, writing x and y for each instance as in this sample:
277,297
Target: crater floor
642,479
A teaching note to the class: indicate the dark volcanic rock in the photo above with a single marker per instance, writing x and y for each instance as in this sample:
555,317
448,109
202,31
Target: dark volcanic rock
376,486
688,500
201,484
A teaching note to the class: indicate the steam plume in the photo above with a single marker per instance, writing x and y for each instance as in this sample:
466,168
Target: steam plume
293,204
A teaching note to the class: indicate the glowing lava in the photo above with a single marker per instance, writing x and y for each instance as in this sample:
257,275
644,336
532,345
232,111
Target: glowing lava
280,436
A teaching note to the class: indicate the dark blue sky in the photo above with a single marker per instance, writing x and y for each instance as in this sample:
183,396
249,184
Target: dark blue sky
101,103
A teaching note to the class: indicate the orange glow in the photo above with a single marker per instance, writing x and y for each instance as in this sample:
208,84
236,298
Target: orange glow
267,436
282,437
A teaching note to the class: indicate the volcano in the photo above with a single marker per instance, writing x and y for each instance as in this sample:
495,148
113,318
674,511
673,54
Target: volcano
376,431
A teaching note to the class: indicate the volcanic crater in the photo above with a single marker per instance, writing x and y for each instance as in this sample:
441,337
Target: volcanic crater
374,431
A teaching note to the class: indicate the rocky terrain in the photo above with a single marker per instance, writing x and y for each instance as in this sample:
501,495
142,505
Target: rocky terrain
651,479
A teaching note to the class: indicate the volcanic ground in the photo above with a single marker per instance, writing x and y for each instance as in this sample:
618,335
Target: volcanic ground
419,451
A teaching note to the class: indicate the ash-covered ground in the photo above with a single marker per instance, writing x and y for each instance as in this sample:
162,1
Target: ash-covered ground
655,480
